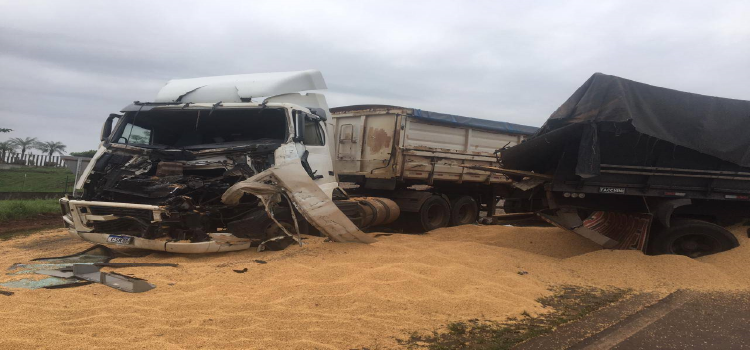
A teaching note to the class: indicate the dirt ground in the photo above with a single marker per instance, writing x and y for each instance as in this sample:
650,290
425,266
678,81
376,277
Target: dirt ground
334,295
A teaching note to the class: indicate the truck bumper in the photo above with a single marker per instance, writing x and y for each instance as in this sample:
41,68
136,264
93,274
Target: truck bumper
79,216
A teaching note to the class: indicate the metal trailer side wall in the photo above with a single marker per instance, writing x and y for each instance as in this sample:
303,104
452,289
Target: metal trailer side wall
389,143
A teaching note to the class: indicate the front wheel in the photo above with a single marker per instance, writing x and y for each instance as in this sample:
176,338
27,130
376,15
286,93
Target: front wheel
693,238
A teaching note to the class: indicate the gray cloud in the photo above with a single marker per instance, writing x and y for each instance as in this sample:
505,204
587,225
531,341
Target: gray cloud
64,66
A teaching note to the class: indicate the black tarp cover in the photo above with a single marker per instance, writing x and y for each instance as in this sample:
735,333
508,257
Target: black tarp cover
711,125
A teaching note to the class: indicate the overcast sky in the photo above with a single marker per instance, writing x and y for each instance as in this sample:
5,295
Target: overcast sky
65,65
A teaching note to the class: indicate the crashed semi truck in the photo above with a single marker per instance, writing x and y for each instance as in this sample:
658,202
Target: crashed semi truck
634,166
219,164
225,163
419,160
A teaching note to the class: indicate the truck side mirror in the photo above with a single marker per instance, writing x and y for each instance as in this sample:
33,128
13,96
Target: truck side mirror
299,126
320,112
107,127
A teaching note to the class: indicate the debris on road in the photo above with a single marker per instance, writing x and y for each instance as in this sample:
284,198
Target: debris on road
135,265
62,271
115,280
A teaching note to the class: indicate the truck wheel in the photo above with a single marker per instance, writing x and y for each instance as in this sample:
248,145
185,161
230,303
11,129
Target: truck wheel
269,229
464,211
693,238
434,213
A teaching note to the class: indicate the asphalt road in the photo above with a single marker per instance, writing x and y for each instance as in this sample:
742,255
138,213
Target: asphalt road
682,320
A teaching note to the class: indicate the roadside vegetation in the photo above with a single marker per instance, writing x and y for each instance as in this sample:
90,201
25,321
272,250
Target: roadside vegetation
26,209
36,179
569,303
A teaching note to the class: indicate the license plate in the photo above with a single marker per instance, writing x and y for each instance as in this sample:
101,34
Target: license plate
119,239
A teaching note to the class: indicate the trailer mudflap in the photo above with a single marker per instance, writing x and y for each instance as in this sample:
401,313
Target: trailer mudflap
611,230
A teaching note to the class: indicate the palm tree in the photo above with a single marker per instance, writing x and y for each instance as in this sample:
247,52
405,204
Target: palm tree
6,147
23,143
50,147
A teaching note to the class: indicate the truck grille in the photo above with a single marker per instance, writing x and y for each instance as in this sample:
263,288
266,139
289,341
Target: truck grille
144,214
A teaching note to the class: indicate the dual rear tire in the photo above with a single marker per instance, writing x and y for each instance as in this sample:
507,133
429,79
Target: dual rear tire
436,212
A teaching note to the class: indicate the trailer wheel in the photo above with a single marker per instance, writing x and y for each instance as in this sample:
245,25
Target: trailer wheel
434,213
693,238
464,211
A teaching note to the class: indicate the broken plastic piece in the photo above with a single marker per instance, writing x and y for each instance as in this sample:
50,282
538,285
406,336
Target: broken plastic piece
117,281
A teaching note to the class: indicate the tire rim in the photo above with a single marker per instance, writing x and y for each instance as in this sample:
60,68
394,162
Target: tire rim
435,215
695,245
465,214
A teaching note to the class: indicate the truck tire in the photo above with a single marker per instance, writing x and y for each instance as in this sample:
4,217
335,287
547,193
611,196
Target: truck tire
268,229
464,211
693,238
434,213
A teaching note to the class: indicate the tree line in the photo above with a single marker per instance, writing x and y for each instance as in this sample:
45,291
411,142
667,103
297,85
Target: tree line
28,143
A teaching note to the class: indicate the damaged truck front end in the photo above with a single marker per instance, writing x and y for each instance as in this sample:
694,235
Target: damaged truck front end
157,182
210,177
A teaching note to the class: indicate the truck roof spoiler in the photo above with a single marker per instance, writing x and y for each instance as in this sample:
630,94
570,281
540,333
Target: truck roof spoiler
239,88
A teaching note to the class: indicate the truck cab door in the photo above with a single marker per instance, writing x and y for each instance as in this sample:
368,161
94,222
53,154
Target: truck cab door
312,137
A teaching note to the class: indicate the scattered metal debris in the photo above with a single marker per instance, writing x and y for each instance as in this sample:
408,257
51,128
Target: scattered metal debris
55,267
124,283
61,271
95,254
28,283
135,265
56,273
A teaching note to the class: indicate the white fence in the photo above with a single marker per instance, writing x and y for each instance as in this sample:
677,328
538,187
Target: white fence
31,159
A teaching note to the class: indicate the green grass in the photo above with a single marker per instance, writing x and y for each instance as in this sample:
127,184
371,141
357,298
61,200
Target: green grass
569,303
23,209
36,179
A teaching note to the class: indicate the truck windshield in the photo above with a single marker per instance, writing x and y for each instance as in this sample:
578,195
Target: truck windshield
195,129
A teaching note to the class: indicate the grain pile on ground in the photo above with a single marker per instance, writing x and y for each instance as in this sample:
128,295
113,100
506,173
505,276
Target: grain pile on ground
334,295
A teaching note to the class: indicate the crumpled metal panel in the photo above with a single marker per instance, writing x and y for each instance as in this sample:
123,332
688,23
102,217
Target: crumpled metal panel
307,197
